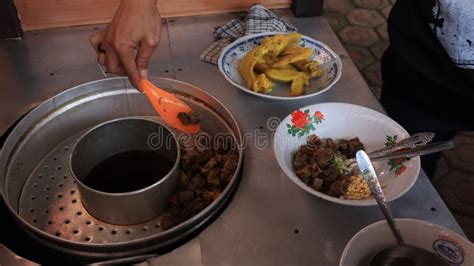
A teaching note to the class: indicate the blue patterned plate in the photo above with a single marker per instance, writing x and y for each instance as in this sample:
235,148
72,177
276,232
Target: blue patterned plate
331,63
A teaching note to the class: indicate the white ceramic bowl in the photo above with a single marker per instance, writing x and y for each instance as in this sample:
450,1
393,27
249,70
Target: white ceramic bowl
345,121
454,248
231,55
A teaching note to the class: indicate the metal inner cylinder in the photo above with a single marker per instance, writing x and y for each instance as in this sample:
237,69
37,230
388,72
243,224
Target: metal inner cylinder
145,200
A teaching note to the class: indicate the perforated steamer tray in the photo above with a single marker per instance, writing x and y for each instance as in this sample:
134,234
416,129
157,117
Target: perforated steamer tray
41,194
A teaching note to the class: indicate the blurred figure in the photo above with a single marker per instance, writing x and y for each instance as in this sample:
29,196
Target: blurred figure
428,70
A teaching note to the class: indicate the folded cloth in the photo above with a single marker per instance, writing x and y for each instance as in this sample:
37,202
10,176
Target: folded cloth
259,19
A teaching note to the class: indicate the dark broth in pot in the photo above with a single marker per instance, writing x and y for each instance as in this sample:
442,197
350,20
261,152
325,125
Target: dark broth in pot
128,171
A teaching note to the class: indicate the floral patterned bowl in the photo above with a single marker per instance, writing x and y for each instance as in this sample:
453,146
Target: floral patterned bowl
231,55
345,121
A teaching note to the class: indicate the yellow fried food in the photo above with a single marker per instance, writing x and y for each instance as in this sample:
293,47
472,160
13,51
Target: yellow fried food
282,75
278,43
247,64
261,66
297,85
294,50
297,55
311,68
262,84
279,58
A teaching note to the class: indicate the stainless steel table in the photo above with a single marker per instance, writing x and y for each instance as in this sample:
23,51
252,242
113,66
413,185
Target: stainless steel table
270,221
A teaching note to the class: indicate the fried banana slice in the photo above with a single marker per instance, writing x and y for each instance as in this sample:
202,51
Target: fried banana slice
311,68
294,50
297,85
299,54
278,43
247,64
282,75
262,84
255,64
261,66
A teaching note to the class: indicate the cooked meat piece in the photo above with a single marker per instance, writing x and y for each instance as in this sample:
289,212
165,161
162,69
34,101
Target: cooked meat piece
184,118
317,183
299,159
183,179
196,183
324,156
188,159
212,163
204,156
194,118
307,149
313,140
219,158
337,187
303,172
330,144
343,145
210,195
315,169
354,146
190,118
230,165
185,196
330,174
230,155
307,180
213,177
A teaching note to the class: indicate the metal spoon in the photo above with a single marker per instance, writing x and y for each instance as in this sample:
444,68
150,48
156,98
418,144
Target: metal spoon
401,254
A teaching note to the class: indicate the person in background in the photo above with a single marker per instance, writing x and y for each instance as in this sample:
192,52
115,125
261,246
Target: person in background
428,69
127,43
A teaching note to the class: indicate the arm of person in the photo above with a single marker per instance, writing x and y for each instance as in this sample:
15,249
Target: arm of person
136,26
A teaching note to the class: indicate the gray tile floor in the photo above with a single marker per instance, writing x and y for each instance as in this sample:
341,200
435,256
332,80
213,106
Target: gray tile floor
454,181
362,28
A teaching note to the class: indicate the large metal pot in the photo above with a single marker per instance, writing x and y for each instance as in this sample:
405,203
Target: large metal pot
41,195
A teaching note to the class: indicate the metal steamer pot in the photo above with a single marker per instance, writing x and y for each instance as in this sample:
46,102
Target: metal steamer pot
42,197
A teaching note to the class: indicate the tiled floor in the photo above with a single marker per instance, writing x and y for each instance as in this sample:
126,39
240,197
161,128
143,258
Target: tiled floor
454,180
362,28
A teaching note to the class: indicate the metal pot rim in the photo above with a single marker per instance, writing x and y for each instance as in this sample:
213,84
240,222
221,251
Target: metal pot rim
128,193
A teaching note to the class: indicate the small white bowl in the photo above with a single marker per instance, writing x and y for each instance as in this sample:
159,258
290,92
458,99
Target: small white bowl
331,63
345,121
434,238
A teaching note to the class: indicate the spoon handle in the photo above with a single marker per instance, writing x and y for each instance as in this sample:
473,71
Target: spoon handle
368,172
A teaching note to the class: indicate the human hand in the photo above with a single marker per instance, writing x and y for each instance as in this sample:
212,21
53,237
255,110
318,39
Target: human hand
136,25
